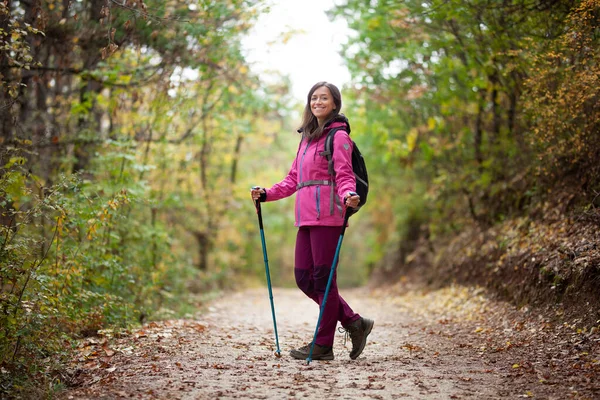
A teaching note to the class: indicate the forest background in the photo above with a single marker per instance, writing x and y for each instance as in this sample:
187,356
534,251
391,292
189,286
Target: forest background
131,132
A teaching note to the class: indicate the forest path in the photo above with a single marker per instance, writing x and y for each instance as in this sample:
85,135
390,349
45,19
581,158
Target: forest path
449,344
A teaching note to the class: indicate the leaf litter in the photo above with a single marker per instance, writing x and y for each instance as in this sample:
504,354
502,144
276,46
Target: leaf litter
450,343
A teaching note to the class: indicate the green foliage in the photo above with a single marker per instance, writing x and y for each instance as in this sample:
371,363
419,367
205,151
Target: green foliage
127,157
442,92
119,170
78,257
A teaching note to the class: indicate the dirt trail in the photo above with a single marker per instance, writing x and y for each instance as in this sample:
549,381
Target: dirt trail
450,344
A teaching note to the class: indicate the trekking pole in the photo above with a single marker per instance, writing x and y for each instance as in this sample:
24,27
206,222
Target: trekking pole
264,248
349,212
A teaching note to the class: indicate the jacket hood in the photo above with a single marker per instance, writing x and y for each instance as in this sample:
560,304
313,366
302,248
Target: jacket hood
337,121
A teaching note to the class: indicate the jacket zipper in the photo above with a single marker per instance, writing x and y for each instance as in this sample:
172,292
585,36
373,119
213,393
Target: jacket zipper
300,177
318,202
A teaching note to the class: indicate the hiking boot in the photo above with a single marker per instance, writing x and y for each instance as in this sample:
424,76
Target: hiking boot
319,352
358,331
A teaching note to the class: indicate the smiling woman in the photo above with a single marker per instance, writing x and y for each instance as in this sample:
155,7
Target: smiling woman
324,191
293,32
323,104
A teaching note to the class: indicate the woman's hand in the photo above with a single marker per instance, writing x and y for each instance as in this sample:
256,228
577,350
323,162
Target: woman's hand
256,192
352,199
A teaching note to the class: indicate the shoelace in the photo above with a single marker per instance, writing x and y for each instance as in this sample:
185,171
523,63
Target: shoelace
306,347
346,332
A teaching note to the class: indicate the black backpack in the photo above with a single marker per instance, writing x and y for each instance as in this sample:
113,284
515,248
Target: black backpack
358,165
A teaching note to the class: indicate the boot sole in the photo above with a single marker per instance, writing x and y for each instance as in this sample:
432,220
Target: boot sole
302,356
368,327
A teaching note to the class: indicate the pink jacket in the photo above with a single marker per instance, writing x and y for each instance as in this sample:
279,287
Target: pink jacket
313,203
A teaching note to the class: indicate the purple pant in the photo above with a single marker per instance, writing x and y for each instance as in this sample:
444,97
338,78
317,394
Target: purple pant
315,250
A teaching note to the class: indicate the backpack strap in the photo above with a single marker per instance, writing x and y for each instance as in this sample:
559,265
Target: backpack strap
359,179
328,152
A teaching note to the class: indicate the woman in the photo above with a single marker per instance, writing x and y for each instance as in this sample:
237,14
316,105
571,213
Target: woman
320,206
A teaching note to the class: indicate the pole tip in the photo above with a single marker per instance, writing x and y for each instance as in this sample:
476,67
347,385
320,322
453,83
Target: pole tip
278,354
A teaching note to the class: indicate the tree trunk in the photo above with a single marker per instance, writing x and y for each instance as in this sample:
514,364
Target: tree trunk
496,118
236,156
204,246
478,139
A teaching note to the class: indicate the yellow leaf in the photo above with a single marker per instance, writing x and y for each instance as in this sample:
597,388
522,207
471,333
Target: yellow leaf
431,123
374,23
411,139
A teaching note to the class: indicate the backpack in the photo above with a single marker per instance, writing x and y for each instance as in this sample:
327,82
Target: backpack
358,165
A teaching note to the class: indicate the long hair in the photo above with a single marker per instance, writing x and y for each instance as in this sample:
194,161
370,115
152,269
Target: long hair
310,128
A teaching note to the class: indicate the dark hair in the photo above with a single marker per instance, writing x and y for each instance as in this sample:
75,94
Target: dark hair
310,128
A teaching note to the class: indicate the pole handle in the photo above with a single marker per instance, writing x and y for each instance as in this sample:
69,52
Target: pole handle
258,209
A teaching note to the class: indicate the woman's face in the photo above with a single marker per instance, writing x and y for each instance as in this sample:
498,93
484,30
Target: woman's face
321,103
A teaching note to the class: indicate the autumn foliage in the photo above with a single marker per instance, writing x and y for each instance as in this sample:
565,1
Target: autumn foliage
564,101
481,119
130,132
121,126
